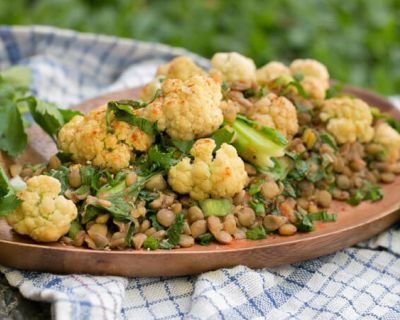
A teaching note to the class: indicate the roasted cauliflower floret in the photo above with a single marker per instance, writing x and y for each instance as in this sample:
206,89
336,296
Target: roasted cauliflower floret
180,68
271,71
234,67
389,138
187,109
276,112
150,89
315,77
219,177
310,68
44,215
87,138
348,119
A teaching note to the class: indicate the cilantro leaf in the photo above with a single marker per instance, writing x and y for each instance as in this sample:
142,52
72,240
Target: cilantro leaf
175,230
182,145
151,243
221,136
205,239
322,216
123,112
256,233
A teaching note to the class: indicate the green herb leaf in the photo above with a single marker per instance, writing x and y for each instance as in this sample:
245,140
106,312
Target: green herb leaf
328,139
182,145
163,160
257,206
255,187
322,216
175,230
68,114
305,224
74,228
123,112
221,136
151,243
154,223
205,239
8,198
13,138
256,233
61,174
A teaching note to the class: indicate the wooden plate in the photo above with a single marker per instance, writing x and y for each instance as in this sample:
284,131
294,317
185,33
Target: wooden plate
354,224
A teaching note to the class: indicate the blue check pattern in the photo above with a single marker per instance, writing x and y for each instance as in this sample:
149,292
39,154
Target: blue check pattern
362,282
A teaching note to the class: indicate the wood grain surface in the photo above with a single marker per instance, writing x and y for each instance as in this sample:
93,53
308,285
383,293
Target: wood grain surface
354,224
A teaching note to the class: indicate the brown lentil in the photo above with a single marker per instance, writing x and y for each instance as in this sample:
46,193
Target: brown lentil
186,228
144,226
156,183
165,217
223,237
343,182
270,189
239,198
130,179
229,224
186,241
340,195
246,217
387,177
97,228
138,240
176,207
150,231
287,229
357,164
160,234
198,227
54,162
194,214
323,198
273,223
251,171
74,176
287,209
214,224
103,218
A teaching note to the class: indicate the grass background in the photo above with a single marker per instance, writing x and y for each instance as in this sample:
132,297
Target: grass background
359,40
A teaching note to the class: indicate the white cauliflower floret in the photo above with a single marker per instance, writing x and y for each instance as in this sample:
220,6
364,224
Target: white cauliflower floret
314,88
389,138
187,109
234,66
276,112
180,68
348,119
221,177
315,77
44,215
310,68
150,89
271,71
86,137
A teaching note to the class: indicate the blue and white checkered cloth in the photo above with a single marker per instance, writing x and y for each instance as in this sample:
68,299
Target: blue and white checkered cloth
357,283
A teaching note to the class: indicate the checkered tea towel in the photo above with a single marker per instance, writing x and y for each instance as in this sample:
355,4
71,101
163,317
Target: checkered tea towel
362,282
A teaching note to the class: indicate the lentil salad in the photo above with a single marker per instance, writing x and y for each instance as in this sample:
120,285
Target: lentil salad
230,154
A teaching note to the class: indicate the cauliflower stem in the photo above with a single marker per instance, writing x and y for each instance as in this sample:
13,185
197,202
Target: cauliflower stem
257,143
